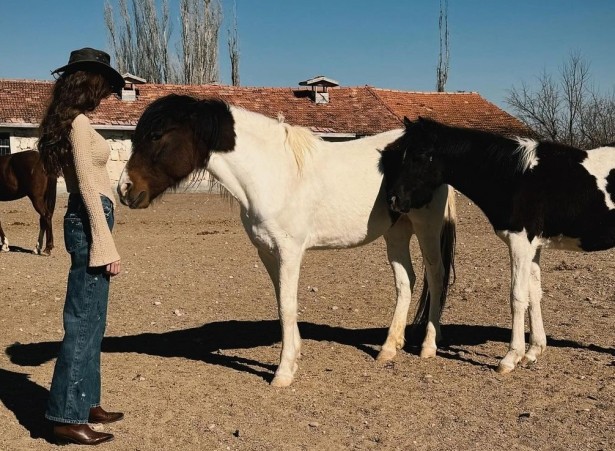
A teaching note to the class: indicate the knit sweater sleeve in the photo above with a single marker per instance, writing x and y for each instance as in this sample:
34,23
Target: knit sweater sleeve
102,251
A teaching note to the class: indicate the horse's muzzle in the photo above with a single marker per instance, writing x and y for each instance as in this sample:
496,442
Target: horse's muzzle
396,205
127,198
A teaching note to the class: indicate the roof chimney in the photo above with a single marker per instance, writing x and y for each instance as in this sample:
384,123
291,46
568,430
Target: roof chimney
129,91
320,88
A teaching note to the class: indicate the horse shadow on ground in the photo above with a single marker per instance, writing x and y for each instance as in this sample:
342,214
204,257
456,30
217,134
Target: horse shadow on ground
207,343
19,249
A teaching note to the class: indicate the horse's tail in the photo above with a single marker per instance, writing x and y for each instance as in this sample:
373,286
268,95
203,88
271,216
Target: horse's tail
448,238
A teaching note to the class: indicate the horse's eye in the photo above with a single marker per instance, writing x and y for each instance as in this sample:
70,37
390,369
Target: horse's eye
155,136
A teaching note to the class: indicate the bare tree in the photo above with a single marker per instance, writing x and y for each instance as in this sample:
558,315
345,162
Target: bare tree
569,109
233,48
575,89
598,120
201,20
443,59
140,42
540,110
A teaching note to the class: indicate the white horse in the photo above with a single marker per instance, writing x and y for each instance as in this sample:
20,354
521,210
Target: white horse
296,192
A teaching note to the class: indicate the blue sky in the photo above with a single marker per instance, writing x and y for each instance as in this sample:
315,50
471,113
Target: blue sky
494,44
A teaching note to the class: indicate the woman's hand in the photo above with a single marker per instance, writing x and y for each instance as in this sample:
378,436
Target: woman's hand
113,269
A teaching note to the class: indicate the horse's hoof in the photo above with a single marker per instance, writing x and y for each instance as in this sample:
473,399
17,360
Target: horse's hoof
280,381
527,361
386,354
504,368
533,353
428,352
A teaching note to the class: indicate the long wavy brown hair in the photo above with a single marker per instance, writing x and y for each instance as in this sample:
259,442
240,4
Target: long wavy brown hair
74,93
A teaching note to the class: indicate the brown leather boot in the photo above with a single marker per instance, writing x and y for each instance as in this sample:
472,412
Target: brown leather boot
80,434
99,415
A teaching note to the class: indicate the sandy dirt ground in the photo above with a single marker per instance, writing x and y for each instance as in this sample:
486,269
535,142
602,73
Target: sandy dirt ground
193,340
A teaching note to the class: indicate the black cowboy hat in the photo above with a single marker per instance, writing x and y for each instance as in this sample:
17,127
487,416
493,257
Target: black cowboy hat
94,61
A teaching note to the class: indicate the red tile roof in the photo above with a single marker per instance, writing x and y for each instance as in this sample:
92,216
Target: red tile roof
461,109
357,110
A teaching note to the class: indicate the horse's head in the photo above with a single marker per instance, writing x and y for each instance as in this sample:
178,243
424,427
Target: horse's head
174,137
411,168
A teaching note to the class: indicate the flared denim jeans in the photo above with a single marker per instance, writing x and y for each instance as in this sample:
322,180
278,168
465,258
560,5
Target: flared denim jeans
75,386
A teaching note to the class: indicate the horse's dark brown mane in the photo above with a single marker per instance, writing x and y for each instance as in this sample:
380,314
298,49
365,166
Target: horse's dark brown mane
189,129
173,107
210,120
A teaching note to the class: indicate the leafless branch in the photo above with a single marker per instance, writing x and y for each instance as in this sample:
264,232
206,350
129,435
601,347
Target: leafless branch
233,48
443,58
567,110
201,20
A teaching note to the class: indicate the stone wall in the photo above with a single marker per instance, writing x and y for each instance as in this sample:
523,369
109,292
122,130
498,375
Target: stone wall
19,144
119,141
120,152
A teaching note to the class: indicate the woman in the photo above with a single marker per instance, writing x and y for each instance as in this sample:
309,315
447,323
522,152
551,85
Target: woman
69,146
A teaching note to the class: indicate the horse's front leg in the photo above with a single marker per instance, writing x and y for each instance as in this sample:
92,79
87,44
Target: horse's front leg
397,239
428,223
429,240
538,338
283,270
4,242
521,255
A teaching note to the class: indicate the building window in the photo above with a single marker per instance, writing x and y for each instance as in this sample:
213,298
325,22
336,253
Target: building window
5,144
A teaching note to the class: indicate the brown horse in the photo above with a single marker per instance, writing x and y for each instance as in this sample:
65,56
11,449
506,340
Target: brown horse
22,174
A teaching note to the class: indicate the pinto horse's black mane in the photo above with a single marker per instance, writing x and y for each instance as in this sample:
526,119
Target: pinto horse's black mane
210,120
496,145
501,150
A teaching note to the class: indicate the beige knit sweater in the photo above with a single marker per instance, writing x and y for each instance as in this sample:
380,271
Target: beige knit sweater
88,176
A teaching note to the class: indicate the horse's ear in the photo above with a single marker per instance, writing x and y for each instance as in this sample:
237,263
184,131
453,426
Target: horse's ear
422,121
407,122
426,125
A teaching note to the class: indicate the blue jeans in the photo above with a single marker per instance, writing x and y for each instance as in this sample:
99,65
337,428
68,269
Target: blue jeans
75,386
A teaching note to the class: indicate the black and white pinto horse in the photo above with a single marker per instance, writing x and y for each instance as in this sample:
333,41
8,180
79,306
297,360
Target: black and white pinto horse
535,194
296,192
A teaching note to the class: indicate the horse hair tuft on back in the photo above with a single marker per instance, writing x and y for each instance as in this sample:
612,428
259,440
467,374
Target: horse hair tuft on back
301,142
527,153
